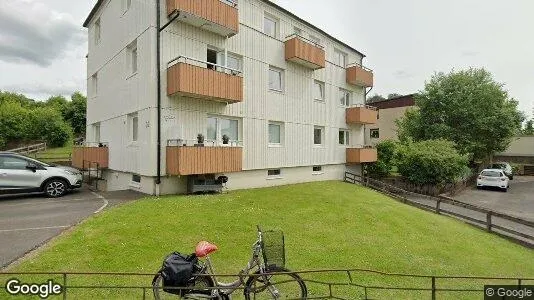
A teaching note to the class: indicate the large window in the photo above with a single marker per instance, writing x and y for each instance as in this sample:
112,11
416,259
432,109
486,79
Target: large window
276,79
344,97
270,26
318,135
375,133
97,31
344,137
318,90
275,133
340,58
220,126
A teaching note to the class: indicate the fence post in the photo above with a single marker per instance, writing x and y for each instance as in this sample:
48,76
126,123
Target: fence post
488,221
433,288
64,286
438,204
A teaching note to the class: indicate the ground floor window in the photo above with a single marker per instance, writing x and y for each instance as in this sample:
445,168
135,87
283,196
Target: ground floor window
317,169
274,172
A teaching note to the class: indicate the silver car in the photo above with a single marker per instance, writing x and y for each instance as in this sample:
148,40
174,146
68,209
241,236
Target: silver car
21,174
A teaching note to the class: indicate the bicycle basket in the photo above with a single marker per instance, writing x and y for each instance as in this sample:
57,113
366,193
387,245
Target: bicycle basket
273,249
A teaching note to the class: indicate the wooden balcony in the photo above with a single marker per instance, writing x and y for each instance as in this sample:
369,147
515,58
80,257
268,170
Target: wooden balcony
361,155
192,160
192,78
305,52
84,157
360,76
218,16
361,115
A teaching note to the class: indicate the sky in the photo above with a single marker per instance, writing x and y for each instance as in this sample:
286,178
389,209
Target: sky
43,44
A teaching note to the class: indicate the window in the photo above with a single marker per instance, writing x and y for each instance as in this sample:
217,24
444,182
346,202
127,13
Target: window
274,172
134,127
97,31
344,137
276,79
96,128
126,5
218,126
234,61
344,97
318,135
132,57
318,90
94,83
298,31
275,133
316,40
375,133
340,58
136,178
211,58
317,168
12,163
270,26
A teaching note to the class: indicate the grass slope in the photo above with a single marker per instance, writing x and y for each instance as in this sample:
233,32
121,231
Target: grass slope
326,225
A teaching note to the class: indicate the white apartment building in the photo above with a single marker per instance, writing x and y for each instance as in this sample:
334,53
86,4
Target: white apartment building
277,100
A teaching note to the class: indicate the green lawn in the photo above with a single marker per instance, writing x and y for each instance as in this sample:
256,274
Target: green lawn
326,225
54,154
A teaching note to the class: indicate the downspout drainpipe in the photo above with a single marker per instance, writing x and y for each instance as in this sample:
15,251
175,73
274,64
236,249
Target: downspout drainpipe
159,29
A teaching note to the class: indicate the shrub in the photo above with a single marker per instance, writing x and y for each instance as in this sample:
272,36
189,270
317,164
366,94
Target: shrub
386,154
431,162
13,121
47,124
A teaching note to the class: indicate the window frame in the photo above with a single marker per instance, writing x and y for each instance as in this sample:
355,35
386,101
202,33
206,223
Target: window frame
279,71
98,31
275,21
133,128
322,87
280,134
374,130
322,136
277,173
340,54
317,169
133,57
96,132
344,93
94,84
218,129
346,137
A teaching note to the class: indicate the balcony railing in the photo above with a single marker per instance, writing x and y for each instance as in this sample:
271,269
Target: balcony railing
304,52
357,154
218,16
361,114
90,153
212,157
200,79
359,75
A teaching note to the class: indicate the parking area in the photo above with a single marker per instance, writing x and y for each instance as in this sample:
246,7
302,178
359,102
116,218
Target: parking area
26,222
518,201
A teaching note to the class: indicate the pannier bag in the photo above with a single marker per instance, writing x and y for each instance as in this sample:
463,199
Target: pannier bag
177,271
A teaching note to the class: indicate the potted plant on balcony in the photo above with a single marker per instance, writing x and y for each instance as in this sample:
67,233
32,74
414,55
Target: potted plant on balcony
200,140
225,139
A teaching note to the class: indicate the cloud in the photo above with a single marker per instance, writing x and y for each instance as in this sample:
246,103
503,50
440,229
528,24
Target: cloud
47,89
401,74
30,32
468,53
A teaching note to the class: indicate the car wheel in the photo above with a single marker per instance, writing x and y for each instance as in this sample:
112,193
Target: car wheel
55,188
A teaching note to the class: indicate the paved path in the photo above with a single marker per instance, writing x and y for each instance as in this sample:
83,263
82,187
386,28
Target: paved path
26,222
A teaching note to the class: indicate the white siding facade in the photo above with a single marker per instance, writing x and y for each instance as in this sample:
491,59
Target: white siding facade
120,93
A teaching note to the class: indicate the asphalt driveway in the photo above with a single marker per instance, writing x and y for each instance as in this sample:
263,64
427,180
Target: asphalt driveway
518,201
26,222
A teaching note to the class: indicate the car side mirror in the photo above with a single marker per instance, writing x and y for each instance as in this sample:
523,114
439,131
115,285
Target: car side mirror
32,168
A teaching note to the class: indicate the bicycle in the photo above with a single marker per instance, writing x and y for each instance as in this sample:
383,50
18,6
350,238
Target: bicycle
265,274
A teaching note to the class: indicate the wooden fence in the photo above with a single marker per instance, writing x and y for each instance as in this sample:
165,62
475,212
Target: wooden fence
29,149
514,228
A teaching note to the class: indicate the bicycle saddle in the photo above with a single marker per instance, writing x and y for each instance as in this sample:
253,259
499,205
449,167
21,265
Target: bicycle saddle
204,248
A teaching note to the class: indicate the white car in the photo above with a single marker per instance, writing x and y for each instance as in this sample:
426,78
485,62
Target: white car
493,178
21,174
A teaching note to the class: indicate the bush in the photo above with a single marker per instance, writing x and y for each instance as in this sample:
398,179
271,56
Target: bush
48,125
431,162
13,121
386,154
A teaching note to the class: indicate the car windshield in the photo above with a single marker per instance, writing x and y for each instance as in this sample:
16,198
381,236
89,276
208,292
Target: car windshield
33,160
491,174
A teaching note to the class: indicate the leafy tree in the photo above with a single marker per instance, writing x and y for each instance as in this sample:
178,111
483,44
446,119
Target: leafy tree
75,113
58,103
386,154
47,124
375,98
13,121
394,95
467,107
529,128
431,162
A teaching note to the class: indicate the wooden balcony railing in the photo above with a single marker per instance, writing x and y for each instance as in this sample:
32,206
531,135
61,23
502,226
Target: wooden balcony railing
196,160
89,154
359,75
361,114
218,16
361,154
198,79
304,52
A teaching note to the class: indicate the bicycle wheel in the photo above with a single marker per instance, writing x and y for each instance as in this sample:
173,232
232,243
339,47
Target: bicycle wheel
275,286
198,287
